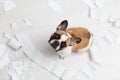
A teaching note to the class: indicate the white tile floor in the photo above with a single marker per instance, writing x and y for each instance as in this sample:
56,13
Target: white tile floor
44,17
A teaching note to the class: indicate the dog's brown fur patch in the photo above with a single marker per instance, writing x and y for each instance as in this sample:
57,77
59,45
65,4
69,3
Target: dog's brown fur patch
81,33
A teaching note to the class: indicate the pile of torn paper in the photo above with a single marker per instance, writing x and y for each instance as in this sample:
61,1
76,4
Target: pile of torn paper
6,5
96,10
18,69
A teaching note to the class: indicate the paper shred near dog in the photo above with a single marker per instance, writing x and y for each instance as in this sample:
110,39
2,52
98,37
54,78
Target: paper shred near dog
104,16
13,25
54,5
46,65
115,31
11,33
94,53
1,7
98,14
90,3
113,18
17,69
95,13
26,41
99,3
13,74
79,76
8,5
109,37
4,61
14,44
58,69
87,70
94,3
117,40
103,43
117,23
7,35
68,74
4,57
94,66
27,22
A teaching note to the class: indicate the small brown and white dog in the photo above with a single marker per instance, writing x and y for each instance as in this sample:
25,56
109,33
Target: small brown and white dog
64,40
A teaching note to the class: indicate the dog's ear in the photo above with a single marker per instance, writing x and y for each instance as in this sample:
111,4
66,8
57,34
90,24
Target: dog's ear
74,41
63,25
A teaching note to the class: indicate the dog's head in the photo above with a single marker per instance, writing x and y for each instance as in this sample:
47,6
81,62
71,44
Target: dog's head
61,39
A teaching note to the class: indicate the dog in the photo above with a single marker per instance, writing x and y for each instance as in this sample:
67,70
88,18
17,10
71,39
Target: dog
64,41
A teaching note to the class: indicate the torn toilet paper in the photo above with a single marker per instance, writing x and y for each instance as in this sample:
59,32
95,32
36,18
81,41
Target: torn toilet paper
8,5
8,35
109,37
54,5
115,31
117,40
88,70
17,69
79,76
90,3
113,17
4,57
117,23
68,74
27,22
94,3
99,3
1,7
13,43
11,37
95,13
58,69
98,14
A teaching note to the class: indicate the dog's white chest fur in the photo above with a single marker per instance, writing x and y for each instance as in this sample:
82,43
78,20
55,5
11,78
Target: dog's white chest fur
65,52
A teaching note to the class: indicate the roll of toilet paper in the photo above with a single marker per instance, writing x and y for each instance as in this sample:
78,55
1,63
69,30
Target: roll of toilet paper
13,43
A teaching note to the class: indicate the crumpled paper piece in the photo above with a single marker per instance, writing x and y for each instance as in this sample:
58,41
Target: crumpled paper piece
17,69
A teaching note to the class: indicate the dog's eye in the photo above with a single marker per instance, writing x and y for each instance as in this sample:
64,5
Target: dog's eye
63,44
57,36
